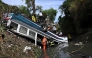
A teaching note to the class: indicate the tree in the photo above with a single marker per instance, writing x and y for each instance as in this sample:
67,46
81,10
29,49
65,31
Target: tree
82,14
66,22
77,14
30,5
3,8
51,13
39,8
24,10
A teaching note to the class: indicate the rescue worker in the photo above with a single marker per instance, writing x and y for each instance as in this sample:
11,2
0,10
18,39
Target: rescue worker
40,14
33,18
49,27
54,28
44,43
69,36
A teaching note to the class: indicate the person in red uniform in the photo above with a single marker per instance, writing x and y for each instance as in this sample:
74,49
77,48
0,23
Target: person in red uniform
44,42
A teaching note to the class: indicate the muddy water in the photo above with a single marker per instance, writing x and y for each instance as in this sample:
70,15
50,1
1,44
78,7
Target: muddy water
66,50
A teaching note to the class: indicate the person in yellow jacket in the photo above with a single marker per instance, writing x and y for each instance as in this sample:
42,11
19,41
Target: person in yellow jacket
33,18
69,36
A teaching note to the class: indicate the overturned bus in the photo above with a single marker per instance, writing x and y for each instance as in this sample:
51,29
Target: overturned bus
21,25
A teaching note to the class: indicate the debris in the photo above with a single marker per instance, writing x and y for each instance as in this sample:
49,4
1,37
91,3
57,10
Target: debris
77,44
85,56
2,37
27,48
10,45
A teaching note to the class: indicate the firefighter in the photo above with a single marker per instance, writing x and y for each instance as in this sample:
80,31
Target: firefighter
44,43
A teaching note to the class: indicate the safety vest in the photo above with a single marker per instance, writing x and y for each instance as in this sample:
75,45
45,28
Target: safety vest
33,18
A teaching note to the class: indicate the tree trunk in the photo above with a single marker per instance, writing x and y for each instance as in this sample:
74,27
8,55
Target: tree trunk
33,3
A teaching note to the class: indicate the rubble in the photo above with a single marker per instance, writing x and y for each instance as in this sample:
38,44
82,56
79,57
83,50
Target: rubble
26,49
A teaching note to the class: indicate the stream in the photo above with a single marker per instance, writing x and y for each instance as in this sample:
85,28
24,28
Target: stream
68,50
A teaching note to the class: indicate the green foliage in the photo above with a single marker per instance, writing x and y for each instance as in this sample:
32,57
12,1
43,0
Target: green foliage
30,5
39,8
66,25
5,8
81,12
78,13
66,22
51,13
24,10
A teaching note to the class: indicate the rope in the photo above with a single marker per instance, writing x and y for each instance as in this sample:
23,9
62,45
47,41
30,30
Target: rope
77,49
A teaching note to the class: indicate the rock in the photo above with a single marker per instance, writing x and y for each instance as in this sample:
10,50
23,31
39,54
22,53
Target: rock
77,44
26,49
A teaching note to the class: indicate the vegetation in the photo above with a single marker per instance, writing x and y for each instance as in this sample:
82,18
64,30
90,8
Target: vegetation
4,8
78,12
24,10
51,13
12,46
77,19
30,5
66,22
